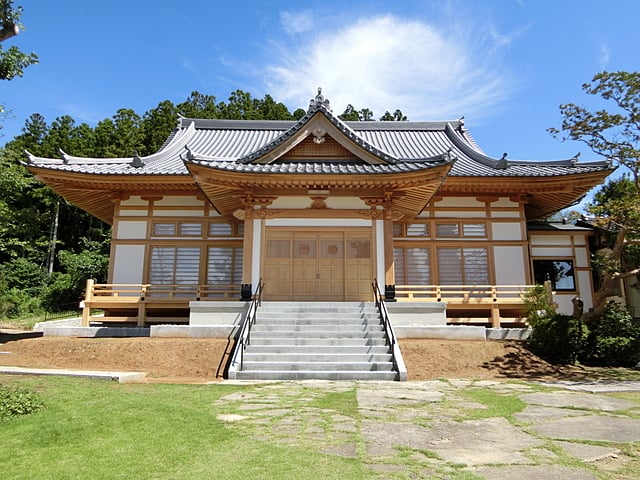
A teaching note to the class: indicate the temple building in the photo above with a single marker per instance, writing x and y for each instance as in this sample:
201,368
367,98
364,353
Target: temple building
319,209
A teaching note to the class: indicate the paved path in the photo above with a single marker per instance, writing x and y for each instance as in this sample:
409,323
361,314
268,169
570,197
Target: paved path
444,429
448,429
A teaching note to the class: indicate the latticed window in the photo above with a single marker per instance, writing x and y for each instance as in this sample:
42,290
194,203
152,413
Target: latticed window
224,265
412,266
463,266
174,265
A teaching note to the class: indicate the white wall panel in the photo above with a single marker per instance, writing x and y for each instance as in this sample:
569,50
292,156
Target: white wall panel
128,264
132,230
551,252
506,231
459,202
509,266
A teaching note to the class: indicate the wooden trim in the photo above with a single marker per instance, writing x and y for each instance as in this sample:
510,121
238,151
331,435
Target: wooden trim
389,265
247,251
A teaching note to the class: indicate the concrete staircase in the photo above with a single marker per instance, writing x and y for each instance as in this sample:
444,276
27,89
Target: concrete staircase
325,341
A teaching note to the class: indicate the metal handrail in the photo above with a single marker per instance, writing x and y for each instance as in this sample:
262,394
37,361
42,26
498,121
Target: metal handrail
244,339
384,313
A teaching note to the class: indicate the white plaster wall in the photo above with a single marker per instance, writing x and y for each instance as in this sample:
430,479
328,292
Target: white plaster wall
178,213
128,263
579,240
505,202
564,302
178,201
551,252
133,213
461,214
582,260
583,277
318,222
132,230
506,231
459,202
134,201
305,202
509,266
346,202
550,239
505,214
291,202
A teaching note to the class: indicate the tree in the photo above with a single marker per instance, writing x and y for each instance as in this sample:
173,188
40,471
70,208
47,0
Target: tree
613,133
12,60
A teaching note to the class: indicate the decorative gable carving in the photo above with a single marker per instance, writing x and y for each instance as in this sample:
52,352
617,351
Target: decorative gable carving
309,149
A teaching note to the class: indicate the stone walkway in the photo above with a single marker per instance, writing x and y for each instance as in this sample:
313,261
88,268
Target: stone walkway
451,429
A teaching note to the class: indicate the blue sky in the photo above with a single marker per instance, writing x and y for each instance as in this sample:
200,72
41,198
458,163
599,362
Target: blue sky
505,65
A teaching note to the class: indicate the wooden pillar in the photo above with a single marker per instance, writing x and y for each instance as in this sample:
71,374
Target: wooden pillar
389,270
247,248
86,304
495,316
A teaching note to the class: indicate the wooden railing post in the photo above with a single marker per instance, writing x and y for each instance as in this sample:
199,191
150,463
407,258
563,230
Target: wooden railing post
86,304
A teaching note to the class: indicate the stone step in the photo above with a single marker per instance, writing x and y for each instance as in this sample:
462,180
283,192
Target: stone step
313,366
320,356
315,375
327,317
326,322
319,306
320,334
318,349
336,330
326,341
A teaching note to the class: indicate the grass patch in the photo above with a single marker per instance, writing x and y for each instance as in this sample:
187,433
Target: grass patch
496,404
344,403
100,430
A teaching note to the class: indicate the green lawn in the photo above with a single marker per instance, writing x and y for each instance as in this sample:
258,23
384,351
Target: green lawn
103,430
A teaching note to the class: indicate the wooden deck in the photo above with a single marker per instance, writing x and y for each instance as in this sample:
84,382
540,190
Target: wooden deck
139,304
472,304
146,304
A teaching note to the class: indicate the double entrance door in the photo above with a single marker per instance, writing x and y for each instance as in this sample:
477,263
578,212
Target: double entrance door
317,265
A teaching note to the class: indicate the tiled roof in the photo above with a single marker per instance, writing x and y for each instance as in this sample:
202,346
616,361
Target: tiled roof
236,145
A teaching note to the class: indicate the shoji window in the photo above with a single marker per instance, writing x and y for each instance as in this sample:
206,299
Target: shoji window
224,265
412,265
174,265
463,266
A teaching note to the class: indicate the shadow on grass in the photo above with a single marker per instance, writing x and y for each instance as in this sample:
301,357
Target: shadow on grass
521,363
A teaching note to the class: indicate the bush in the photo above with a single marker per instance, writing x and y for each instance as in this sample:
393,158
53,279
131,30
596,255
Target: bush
15,303
613,340
557,338
14,402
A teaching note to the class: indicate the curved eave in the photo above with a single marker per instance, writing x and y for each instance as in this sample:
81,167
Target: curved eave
225,189
543,196
96,193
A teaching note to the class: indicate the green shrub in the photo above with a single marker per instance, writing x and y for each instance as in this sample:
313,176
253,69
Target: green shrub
14,402
16,303
557,338
613,340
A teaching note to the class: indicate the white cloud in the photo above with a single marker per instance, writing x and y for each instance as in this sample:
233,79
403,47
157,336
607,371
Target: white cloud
386,62
296,22
605,55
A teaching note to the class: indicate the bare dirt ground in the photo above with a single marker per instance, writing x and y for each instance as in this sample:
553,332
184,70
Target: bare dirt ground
204,360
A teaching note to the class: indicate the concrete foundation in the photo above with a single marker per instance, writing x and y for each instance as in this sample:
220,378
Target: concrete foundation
217,313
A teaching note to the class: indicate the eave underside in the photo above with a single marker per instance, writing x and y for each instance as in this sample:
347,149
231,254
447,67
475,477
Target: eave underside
542,196
95,194
408,193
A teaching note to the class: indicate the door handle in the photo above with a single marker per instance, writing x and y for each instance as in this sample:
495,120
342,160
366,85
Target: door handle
317,276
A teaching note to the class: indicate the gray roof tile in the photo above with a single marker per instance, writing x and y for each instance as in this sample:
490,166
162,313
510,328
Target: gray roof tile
233,145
